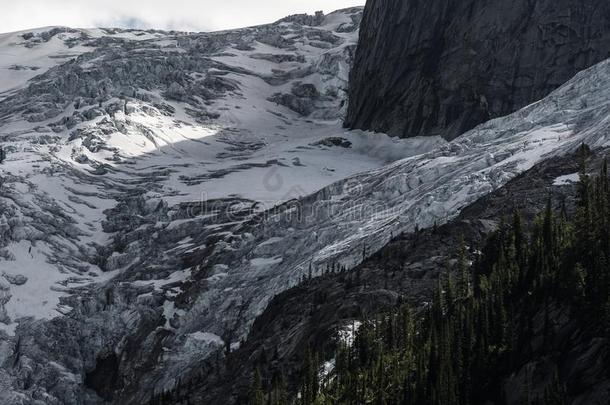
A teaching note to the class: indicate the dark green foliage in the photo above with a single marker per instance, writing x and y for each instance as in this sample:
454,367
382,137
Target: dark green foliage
475,331
256,390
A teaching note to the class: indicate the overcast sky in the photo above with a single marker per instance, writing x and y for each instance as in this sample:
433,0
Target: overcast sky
188,15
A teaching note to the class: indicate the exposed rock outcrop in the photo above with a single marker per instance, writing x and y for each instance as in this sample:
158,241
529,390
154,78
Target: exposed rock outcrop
441,67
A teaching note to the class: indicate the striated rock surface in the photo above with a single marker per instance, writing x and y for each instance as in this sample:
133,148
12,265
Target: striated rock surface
441,67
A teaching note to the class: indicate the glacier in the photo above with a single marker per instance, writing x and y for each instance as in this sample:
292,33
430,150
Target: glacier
160,188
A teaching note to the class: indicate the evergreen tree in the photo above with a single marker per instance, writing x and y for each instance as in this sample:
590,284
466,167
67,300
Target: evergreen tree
256,389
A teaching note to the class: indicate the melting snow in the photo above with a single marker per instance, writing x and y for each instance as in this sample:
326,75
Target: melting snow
207,337
567,179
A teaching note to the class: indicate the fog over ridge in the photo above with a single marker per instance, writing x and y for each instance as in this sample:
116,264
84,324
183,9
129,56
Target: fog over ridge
184,15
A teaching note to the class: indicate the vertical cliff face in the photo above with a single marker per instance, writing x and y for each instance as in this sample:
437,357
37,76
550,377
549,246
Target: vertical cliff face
441,67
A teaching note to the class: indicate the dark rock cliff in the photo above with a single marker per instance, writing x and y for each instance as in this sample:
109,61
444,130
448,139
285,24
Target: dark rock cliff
441,67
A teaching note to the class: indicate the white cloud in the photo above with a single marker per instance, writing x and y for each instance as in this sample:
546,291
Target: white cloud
191,15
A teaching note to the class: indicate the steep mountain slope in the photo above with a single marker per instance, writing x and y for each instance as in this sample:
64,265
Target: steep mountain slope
148,196
318,312
112,116
344,221
108,133
442,67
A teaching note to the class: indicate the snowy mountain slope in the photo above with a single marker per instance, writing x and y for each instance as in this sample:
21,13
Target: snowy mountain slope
107,114
264,256
27,54
361,213
116,139
140,194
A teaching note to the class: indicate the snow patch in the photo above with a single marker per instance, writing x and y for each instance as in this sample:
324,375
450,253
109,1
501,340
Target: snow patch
567,179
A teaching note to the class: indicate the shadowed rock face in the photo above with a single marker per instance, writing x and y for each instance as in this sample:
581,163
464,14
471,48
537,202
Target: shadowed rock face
441,67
